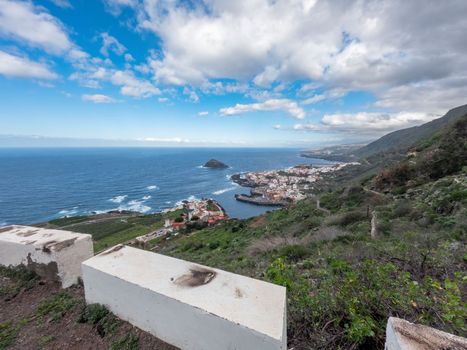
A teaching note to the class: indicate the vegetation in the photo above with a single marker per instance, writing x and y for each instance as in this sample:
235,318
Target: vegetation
25,279
56,306
108,230
442,155
7,335
342,283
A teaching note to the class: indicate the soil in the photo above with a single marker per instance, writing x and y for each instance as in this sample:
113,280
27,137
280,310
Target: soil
44,332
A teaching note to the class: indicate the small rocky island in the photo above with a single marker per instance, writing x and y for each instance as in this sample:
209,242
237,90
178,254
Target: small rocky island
215,164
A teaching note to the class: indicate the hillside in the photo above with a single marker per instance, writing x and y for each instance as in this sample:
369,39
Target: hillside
345,273
401,140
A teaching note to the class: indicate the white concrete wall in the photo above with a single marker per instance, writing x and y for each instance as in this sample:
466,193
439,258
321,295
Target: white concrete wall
403,335
53,254
153,292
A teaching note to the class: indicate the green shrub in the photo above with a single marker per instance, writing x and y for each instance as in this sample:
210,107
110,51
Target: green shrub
294,252
351,217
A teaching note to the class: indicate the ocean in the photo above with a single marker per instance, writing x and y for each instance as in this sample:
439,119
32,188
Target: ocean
41,184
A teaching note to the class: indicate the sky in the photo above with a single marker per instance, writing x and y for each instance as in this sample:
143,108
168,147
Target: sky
261,73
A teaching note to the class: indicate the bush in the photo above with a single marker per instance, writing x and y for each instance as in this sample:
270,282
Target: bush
351,217
346,306
294,252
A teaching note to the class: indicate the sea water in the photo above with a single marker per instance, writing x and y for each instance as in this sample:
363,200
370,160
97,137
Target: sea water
46,183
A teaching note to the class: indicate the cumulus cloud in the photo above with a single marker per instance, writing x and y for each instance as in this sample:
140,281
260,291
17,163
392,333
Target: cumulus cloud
20,67
110,43
133,86
98,98
23,21
373,46
286,105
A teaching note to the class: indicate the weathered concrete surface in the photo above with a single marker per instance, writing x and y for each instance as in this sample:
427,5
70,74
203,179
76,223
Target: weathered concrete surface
187,305
403,335
53,254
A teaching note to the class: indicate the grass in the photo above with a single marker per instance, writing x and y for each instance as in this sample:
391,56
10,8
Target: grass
20,278
8,334
127,342
100,317
56,306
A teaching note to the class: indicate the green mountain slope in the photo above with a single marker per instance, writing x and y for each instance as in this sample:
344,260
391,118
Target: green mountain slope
401,140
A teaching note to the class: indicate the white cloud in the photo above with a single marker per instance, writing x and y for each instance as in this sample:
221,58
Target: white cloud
98,98
374,123
20,67
203,114
23,21
286,105
192,95
133,86
110,43
62,3
361,45
128,57
165,139
115,6
314,99
163,99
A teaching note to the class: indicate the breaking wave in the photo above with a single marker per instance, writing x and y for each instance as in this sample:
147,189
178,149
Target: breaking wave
118,199
68,212
152,187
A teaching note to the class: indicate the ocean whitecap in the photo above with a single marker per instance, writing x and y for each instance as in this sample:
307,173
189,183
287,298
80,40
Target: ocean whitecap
152,187
118,199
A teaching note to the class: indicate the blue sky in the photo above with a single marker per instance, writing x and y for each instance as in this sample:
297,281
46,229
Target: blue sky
299,73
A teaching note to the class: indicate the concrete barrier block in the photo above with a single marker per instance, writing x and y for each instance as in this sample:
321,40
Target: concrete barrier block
53,254
403,335
190,306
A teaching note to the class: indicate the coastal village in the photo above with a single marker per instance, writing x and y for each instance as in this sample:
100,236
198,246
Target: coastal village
200,212
281,187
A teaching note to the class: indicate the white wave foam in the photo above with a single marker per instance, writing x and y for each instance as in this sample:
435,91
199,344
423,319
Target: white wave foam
118,199
145,198
68,212
190,199
152,187
136,206
216,193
